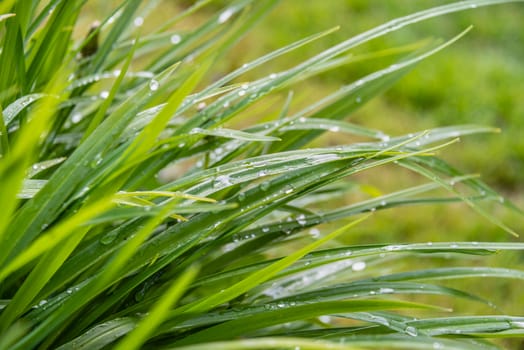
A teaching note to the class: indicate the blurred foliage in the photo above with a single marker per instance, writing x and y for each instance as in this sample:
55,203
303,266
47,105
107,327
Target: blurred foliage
480,79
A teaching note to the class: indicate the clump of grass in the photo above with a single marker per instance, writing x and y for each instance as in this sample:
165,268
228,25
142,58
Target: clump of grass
98,252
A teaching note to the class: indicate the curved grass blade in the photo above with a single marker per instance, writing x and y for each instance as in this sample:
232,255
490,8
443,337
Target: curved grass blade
158,313
288,313
16,107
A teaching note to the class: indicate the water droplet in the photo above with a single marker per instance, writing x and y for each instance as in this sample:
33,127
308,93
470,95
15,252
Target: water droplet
224,16
116,72
226,104
314,232
104,94
386,290
358,99
272,76
76,118
175,39
265,229
109,238
357,161
201,106
288,189
358,266
301,220
96,161
412,331
83,191
138,21
241,92
334,129
322,158
264,186
42,302
383,203
153,85
241,196
222,181
325,319
381,320
437,345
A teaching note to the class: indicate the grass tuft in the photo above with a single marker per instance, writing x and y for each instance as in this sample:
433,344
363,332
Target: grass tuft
150,200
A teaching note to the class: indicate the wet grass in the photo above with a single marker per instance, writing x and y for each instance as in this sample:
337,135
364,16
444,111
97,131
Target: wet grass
162,190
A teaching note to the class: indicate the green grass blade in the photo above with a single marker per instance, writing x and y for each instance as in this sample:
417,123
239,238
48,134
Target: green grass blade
158,313
290,313
267,272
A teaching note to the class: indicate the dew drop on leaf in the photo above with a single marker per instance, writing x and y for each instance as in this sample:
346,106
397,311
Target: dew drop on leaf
224,16
222,181
264,186
314,232
301,220
153,85
175,39
138,21
108,238
358,266
76,118
412,331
